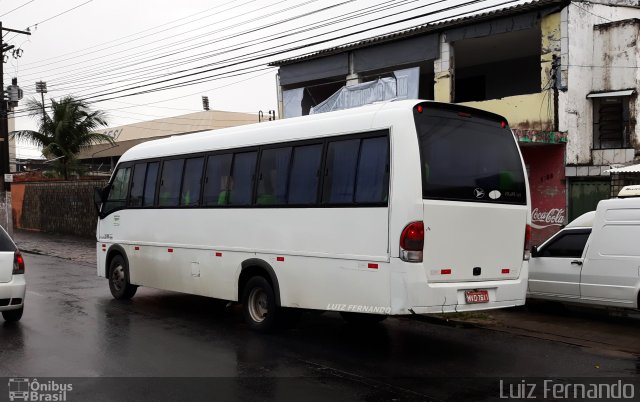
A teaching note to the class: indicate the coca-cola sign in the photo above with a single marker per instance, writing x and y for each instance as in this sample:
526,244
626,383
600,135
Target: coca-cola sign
552,217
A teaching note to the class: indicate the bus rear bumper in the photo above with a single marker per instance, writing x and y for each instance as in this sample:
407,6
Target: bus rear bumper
432,298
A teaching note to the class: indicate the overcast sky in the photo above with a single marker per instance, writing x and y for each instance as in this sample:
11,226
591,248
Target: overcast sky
106,51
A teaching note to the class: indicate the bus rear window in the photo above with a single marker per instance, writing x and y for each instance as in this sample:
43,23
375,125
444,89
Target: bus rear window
468,158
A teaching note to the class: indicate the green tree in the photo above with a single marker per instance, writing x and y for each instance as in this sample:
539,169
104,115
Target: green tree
63,132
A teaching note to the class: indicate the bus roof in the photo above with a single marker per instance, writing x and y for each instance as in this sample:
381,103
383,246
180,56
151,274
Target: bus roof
351,120
332,123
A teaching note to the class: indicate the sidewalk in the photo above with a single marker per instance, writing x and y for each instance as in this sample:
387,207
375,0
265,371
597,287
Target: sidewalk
72,248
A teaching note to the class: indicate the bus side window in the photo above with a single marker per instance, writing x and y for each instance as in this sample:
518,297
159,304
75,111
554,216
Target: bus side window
117,197
242,178
150,184
372,183
217,180
340,172
137,185
170,183
305,174
190,194
272,177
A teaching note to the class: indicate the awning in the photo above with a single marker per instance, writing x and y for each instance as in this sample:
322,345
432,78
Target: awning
625,92
625,169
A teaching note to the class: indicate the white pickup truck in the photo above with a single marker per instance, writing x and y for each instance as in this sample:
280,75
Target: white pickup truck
595,259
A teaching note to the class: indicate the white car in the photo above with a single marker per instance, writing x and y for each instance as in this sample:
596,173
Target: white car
595,259
12,282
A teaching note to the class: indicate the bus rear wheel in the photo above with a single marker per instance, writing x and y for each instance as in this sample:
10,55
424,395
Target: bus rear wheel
362,319
119,284
259,304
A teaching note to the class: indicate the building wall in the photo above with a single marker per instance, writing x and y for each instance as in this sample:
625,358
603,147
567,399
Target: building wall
56,207
530,112
188,123
578,59
619,66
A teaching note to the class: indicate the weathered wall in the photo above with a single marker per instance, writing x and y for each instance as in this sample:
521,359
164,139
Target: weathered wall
57,207
618,63
531,111
578,61
443,73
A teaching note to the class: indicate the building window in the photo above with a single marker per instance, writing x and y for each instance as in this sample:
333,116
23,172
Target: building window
611,122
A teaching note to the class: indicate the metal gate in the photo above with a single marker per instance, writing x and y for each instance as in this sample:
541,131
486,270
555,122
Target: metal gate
585,195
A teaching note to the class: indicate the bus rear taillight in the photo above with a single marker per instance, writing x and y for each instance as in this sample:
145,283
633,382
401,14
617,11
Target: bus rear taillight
412,242
527,242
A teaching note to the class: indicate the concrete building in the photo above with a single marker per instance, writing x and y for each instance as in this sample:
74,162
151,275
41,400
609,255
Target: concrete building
564,73
103,157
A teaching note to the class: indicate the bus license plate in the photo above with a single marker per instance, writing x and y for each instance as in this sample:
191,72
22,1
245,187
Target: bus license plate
476,296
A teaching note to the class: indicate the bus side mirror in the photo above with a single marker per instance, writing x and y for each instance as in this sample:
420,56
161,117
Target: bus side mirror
99,198
534,252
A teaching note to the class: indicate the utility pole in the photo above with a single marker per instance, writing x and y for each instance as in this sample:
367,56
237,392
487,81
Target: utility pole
41,88
4,133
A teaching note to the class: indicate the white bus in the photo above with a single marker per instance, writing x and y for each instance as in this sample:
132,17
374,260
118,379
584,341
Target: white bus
405,207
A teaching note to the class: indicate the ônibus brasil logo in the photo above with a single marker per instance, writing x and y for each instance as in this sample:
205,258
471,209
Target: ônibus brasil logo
26,389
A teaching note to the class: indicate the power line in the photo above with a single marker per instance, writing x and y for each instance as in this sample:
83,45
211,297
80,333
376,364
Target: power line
57,15
151,104
147,71
239,59
174,52
233,63
53,86
191,82
587,11
17,8
134,34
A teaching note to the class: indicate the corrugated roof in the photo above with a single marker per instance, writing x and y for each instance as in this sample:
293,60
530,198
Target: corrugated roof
625,169
420,29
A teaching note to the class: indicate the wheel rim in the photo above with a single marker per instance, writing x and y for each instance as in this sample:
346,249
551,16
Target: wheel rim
258,304
117,278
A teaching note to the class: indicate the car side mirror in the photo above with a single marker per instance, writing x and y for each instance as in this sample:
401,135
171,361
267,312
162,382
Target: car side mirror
534,252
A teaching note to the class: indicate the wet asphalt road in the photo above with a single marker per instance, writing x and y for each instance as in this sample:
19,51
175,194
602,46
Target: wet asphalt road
73,328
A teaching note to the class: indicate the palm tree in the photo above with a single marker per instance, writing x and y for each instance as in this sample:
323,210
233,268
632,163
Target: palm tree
70,127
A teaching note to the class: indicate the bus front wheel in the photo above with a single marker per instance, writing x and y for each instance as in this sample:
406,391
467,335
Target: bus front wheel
119,284
259,304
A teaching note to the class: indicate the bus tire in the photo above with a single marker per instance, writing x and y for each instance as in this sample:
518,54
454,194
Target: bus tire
13,315
119,284
362,319
259,304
